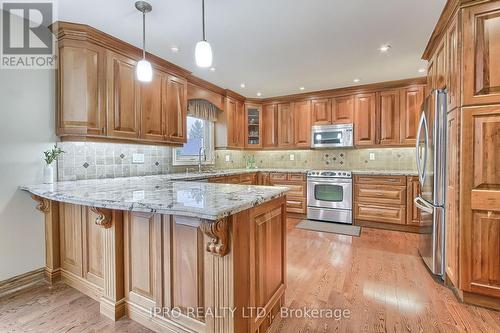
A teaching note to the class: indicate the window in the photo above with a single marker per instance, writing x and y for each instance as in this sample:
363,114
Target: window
200,133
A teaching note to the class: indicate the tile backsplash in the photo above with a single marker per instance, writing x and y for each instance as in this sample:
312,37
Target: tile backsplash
341,159
90,160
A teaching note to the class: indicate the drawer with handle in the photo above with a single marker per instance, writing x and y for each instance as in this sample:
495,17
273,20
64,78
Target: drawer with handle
380,194
295,204
380,213
380,180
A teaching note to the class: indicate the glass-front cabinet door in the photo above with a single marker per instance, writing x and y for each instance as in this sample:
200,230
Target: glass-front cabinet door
253,126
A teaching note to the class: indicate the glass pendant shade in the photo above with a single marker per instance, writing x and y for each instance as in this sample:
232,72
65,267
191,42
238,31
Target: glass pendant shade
144,71
203,54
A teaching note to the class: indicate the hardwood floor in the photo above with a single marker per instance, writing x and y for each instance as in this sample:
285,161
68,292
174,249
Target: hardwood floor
378,277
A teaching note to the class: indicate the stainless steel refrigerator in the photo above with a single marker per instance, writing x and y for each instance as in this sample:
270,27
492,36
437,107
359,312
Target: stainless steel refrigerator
431,166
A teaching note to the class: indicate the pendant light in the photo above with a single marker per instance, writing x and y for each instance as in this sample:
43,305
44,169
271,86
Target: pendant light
203,51
144,71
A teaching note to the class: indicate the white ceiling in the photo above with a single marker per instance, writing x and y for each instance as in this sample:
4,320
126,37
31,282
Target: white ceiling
276,46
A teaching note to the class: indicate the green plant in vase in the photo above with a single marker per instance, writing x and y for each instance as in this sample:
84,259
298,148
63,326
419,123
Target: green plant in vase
49,157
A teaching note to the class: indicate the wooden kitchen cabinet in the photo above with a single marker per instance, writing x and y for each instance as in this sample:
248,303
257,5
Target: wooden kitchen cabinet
302,124
176,109
153,111
285,125
296,198
82,89
253,126
270,126
481,33
321,111
440,78
364,119
388,117
81,244
480,199
452,214
123,92
342,110
337,110
386,202
411,99
453,57
229,129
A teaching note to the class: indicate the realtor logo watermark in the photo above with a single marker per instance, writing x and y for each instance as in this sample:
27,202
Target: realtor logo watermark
27,42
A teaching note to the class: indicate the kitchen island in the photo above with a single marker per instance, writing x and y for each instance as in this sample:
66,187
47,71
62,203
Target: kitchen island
176,256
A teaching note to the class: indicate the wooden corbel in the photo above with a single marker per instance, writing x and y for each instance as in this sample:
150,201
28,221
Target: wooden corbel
104,217
43,204
218,231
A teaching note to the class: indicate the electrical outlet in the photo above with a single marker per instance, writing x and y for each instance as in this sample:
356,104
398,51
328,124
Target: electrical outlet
228,158
292,157
138,195
138,158
372,156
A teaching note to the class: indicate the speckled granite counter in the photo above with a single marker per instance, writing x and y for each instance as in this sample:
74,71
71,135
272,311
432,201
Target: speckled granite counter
229,172
385,172
159,194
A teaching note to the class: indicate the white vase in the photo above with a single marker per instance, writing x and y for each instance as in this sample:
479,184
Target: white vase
48,174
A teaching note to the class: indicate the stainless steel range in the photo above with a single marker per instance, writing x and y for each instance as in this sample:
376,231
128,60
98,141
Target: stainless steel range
329,196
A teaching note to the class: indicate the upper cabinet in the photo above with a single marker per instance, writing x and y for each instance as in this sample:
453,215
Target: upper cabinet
270,126
285,125
321,111
364,119
388,117
175,104
123,97
152,109
327,111
302,124
81,92
411,100
481,36
229,128
100,96
253,126
342,110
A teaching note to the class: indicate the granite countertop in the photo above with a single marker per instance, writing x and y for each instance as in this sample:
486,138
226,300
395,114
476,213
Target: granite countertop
159,194
229,172
226,172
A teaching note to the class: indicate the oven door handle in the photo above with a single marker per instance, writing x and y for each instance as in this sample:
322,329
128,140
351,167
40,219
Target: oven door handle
334,181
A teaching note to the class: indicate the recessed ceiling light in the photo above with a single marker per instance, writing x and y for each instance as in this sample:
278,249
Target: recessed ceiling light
174,49
422,70
302,88
356,80
243,85
385,48
259,94
212,69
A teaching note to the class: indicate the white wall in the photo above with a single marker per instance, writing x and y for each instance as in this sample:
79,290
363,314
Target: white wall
27,128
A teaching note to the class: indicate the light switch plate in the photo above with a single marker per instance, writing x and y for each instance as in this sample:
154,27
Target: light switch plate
228,158
292,157
138,158
372,156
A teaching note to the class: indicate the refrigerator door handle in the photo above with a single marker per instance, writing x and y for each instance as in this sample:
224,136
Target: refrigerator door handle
422,124
423,205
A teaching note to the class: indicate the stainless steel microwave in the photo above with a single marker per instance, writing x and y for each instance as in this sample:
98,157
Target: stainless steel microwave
331,136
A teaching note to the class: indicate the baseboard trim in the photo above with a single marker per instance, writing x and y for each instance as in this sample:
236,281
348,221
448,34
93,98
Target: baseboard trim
82,285
157,324
112,310
22,281
481,300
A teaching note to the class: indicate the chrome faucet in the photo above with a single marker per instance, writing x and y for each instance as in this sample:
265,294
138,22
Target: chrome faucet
200,152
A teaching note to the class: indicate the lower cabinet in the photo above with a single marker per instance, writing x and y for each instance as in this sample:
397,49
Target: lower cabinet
296,198
386,201
81,245
296,201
